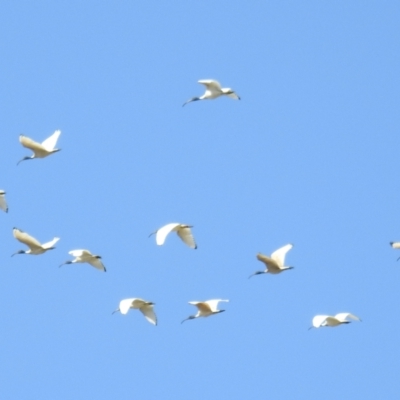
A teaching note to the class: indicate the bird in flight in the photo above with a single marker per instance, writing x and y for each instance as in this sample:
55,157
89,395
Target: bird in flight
395,245
205,308
275,263
145,307
3,203
328,320
85,256
34,246
182,230
40,150
213,90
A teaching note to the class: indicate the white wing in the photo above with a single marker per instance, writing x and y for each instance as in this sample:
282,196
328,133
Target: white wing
344,316
163,232
213,304
50,244
125,305
233,95
186,235
211,85
23,237
148,312
279,255
138,303
395,245
3,203
96,262
50,143
80,253
271,264
30,144
318,320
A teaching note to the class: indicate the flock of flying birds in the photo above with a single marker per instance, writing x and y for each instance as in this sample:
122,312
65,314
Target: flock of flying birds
274,264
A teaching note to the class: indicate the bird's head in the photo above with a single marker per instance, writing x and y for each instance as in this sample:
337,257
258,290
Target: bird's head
18,252
258,273
64,263
190,100
191,317
25,158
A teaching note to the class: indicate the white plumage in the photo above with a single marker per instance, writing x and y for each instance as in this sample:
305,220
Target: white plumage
85,256
206,308
40,150
3,203
34,245
395,245
213,90
328,320
182,230
275,263
145,307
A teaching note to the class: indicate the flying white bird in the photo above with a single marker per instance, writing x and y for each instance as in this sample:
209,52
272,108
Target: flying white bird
182,230
3,203
395,245
34,246
85,256
213,90
275,263
328,320
145,307
40,150
206,308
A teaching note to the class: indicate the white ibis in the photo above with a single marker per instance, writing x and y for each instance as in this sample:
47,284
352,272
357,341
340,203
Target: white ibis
275,263
34,246
182,230
40,150
205,308
213,90
145,307
328,320
85,256
3,203
395,245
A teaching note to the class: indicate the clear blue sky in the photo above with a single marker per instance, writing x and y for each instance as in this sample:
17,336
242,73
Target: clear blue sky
309,156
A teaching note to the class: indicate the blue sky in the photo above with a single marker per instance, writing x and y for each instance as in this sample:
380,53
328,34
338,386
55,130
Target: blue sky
309,156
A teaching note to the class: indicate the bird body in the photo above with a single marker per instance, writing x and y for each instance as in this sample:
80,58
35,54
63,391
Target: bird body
332,321
145,307
40,150
206,308
34,245
275,263
85,256
3,203
395,245
213,90
182,230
